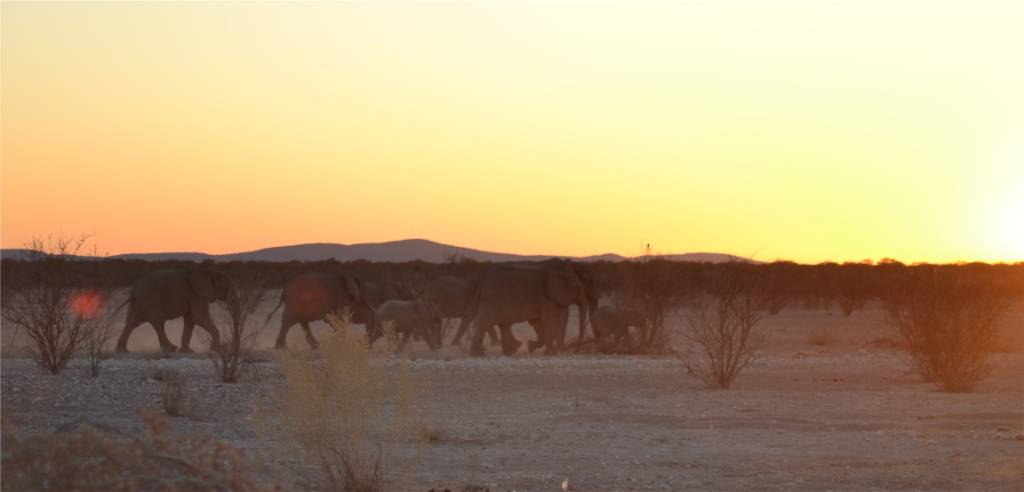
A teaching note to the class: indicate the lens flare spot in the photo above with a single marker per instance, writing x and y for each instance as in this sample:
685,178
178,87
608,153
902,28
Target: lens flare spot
87,304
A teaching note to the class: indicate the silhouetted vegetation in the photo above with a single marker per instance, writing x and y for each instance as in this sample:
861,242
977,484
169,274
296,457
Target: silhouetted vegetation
234,352
786,284
719,325
57,299
947,324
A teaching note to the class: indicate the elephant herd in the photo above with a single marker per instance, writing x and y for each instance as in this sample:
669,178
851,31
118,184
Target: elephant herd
538,293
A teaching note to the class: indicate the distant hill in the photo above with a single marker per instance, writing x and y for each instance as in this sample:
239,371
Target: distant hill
394,251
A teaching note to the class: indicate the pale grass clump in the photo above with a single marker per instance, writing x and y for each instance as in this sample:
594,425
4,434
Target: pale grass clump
343,409
87,459
172,393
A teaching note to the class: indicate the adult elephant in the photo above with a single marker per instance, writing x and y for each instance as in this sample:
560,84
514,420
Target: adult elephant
453,297
377,293
164,295
540,294
421,318
312,296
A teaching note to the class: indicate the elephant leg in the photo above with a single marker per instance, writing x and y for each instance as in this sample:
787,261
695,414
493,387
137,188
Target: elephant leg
287,321
130,323
211,328
561,323
313,344
463,326
405,339
550,326
509,344
538,328
434,337
161,335
492,334
476,345
186,334
628,338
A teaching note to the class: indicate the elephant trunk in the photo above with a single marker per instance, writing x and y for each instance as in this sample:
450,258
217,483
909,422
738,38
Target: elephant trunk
373,328
584,307
232,300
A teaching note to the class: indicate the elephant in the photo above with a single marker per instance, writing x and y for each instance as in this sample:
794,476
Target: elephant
614,322
312,296
537,293
410,317
377,293
453,297
164,295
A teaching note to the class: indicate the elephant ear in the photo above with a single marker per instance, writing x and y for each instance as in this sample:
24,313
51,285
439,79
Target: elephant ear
201,282
428,310
353,287
559,285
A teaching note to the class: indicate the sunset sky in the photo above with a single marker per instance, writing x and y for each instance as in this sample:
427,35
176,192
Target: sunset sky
807,131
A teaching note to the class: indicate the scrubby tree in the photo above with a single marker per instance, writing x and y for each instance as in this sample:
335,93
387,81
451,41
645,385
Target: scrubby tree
234,352
947,324
720,325
58,301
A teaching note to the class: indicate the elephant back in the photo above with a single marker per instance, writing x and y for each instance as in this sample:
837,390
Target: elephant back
311,296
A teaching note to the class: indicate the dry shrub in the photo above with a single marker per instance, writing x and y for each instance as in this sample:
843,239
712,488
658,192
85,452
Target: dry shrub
57,301
720,326
947,324
101,329
651,289
820,336
234,352
428,430
172,393
86,459
340,410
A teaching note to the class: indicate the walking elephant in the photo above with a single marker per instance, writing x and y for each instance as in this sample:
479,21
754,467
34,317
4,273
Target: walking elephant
540,294
421,318
614,322
377,293
312,296
453,297
164,295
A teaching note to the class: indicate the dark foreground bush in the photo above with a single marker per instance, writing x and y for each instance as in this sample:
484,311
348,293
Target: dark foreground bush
87,459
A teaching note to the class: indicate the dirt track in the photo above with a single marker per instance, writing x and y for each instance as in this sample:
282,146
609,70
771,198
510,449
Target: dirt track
843,416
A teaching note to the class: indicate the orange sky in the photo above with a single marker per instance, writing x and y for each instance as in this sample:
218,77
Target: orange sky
794,130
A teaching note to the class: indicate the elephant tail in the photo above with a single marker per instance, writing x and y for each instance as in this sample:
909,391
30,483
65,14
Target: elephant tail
278,306
121,306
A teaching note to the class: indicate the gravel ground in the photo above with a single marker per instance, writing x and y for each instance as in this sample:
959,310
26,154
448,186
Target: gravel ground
841,417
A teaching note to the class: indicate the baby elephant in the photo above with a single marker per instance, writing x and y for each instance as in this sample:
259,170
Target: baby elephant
420,318
615,321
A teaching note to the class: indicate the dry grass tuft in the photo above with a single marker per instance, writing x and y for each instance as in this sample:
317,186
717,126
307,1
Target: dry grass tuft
86,459
431,434
340,408
172,392
821,337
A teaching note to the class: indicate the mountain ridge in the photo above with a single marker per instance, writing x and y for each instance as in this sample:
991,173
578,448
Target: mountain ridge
387,251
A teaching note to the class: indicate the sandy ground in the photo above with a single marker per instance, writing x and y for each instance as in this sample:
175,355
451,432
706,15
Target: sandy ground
845,416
